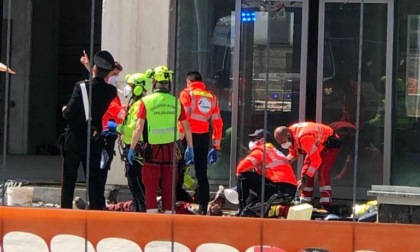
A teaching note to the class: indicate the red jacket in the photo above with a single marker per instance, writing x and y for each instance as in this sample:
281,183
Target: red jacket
309,138
277,167
201,106
114,112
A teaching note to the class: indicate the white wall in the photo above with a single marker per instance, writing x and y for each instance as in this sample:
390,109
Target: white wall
136,32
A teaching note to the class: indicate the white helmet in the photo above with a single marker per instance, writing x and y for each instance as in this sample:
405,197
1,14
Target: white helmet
232,195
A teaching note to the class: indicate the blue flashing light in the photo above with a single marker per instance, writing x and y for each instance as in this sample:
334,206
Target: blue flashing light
247,16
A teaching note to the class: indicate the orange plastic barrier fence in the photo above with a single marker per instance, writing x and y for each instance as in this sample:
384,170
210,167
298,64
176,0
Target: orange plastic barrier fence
192,231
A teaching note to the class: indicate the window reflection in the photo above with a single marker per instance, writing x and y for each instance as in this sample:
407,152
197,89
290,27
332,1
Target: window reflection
340,92
405,151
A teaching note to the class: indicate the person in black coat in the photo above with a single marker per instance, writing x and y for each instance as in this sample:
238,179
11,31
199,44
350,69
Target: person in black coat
75,136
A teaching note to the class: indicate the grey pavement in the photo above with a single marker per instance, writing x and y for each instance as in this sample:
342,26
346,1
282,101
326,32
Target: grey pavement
44,174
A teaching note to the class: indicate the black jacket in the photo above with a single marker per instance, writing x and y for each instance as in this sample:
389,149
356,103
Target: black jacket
74,113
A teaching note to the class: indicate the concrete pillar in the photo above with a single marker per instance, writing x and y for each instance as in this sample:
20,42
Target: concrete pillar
137,34
21,16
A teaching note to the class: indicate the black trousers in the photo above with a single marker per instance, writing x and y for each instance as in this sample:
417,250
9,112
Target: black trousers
74,154
253,181
201,148
134,180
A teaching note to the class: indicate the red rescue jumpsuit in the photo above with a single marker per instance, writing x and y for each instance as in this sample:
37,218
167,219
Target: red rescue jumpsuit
309,139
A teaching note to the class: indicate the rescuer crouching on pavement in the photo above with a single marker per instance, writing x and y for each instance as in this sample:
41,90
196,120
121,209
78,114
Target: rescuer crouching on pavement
279,175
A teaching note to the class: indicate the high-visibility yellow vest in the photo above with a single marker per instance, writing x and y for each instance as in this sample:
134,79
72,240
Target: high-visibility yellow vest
162,113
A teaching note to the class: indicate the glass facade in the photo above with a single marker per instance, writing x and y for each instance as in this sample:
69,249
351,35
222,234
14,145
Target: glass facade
405,133
275,87
205,39
355,61
270,63
269,71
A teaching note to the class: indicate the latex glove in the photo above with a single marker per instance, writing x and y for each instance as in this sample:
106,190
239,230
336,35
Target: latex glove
301,184
189,155
109,133
112,126
212,156
130,156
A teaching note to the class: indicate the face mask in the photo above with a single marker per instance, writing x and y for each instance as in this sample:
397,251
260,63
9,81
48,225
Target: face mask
286,145
113,80
127,91
251,145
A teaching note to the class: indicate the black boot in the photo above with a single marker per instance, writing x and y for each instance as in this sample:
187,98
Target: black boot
202,210
142,206
138,205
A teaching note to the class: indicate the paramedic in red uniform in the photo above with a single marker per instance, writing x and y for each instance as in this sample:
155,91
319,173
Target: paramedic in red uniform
319,144
279,174
202,106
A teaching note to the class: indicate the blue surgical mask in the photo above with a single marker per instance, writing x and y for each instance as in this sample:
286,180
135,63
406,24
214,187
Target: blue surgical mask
113,80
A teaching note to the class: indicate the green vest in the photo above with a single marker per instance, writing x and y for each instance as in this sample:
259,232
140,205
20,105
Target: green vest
130,123
162,113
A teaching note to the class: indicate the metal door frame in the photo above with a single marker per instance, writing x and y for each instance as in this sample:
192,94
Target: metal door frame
388,71
236,75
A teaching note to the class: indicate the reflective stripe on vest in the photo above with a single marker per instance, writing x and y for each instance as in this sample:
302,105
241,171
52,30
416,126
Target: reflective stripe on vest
311,171
253,160
202,104
215,116
162,112
315,129
273,159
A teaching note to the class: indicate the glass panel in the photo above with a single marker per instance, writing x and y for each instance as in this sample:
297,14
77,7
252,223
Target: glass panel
405,152
341,43
205,44
269,73
270,67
